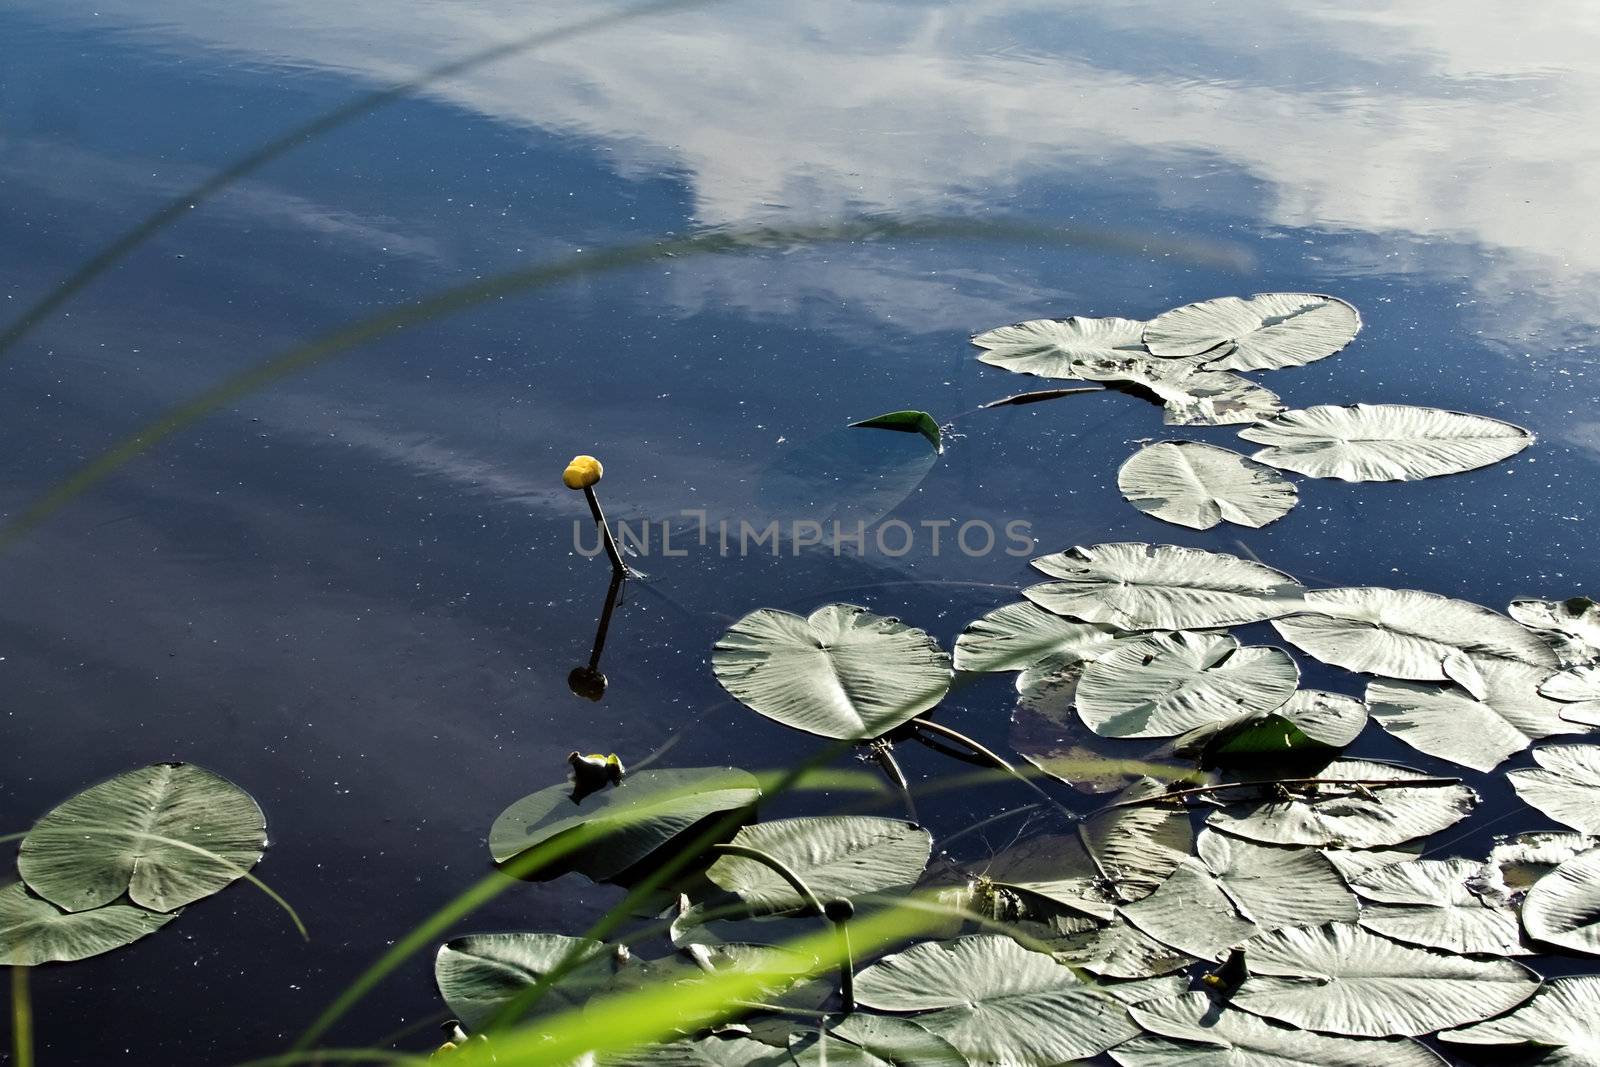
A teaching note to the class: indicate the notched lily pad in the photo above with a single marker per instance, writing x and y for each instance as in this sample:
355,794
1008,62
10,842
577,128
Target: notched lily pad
1199,485
166,835
1136,586
1266,332
842,672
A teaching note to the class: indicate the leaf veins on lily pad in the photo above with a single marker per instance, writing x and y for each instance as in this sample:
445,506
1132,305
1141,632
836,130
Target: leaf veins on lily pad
1383,442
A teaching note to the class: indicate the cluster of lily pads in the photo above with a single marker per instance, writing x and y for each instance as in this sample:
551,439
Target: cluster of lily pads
1243,892
121,859
1222,914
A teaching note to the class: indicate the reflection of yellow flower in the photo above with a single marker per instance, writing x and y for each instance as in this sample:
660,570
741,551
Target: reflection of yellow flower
582,472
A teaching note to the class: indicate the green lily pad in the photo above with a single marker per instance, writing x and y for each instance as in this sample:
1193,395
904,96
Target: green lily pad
627,823
166,835
35,931
842,672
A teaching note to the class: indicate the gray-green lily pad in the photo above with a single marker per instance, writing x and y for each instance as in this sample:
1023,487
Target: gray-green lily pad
1018,636
1565,785
1199,485
1192,1030
1449,904
1409,634
1563,907
35,931
1138,586
842,672
898,1040
1339,816
1383,442
480,974
1050,347
619,826
1340,979
837,856
1447,722
997,1002
166,835
1558,1025
1266,332
1168,684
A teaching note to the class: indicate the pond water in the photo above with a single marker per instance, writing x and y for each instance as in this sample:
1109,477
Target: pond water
354,590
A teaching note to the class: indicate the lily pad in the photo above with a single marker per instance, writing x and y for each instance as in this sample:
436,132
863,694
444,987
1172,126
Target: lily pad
1345,817
1021,635
166,835
1266,332
478,975
842,672
1050,347
1573,623
837,856
1563,907
1558,1024
1409,634
997,1002
1192,1030
629,822
1137,586
1448,904
1578,691
1191,395
1340,979
1565,785
1167,684
1447,722
1383,442
906,422
35,931
1199,485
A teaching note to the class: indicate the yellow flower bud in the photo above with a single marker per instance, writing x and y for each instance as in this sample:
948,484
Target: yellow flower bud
582,472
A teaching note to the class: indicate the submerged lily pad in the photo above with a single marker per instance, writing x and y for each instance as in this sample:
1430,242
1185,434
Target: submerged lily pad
1558,1025
1050,347
1340,816
906,422
624,824
1383,442
166,835
1191,395
1565,785
1448,904
478,975
1408,634
1192,1030
1170,683
35,931
1021,635
1137,586
1340,979
842,672
1266,332
1563,907
837,856
1448,722
997,1002
1199,485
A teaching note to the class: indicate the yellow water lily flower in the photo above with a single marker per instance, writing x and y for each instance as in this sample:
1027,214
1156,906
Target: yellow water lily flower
582,472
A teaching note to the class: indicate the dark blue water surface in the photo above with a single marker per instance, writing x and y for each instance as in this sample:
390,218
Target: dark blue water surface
354,591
